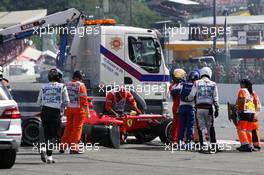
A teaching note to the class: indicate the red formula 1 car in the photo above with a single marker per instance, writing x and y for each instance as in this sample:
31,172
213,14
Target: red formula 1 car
107,130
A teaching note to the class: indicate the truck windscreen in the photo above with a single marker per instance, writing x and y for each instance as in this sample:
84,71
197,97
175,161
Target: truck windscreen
143,52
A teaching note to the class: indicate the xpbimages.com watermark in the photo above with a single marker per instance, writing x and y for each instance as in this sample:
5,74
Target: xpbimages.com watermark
80,31
147,89
197,30
82,147
212,147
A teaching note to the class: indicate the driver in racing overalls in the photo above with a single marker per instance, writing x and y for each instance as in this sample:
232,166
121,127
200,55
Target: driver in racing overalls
187,110
175,89
205,93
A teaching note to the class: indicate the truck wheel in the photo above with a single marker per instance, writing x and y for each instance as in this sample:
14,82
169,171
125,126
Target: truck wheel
7,158
145,136
30,132
165,131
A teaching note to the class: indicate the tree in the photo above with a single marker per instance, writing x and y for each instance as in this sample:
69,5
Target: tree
119,9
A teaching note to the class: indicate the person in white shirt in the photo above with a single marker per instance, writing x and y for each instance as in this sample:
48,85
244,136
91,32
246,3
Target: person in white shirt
53,98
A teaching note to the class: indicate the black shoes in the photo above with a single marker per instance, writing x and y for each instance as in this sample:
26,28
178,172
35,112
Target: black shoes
258,148
50,160
43,155
213,148
245,148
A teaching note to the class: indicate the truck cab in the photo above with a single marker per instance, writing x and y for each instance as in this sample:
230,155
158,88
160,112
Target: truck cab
125,56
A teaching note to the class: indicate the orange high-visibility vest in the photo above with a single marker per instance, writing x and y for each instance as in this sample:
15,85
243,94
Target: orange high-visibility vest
256,101
248,106
77,94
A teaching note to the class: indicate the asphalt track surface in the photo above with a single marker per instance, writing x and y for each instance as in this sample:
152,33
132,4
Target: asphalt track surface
148,158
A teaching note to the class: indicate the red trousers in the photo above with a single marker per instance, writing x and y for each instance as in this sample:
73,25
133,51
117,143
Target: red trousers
175,128
73,130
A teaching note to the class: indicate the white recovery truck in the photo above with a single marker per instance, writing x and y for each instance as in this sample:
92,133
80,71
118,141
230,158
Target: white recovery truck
109,55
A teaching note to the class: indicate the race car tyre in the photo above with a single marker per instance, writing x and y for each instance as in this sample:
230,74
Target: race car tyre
145,135
7,158
165,131
114,134
108,136
30,128
99,134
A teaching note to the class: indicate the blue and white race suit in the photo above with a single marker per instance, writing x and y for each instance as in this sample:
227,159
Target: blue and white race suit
205,93
187,112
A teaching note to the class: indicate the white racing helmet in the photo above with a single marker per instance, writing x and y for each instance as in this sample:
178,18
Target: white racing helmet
206,71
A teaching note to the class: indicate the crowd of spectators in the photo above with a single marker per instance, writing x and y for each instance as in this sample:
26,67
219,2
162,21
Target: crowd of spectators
224,74
170,11
235,73
225,2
